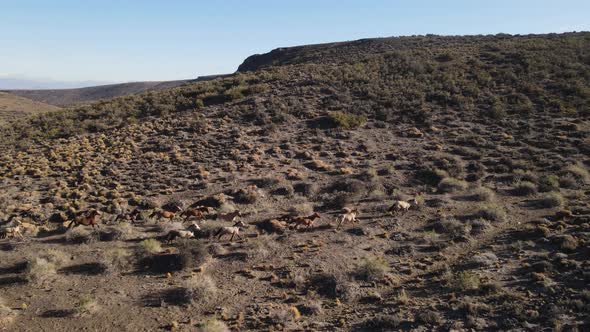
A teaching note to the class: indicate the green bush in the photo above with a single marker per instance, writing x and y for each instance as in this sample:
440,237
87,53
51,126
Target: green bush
347,120
464,280
548,183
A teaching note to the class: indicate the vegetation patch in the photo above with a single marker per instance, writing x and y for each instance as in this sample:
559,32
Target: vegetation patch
346,120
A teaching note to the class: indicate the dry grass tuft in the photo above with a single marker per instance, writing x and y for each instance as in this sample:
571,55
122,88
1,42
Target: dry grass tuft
81,234
199,289
463,280
86,306
40,271
525,188
373,268
7,315
492,212
150,246
116,260
552,200
451,185
213,325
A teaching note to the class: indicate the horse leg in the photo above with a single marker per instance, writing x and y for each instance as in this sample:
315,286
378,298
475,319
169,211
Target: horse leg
340,223
232,237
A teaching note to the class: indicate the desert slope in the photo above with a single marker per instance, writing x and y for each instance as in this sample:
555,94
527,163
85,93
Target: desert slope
14,107
487,136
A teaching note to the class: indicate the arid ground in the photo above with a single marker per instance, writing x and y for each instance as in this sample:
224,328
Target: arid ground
489,134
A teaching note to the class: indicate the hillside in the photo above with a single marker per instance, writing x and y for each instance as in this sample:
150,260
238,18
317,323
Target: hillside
65,97
486,137
13,107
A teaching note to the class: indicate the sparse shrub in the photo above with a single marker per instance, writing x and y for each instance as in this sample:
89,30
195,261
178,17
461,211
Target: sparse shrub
525,188
579,173
192,254
234,93
453,165
150,246
7,315
246,195
464,280
308,190
497,111
121,232
373,268
337,200
368,175
491,287
311,308
59,258
327,284
199,289
402,297
226,208
483,194
383,323
284,190
431,176
284,315
429,317
470,306
450,185
213,325
267,182
492,212
527,176
115,260
303,209
80,234
552,200
484,259
479,226
420,200
548,183
346,120
86,306
566,242
452,227
40,271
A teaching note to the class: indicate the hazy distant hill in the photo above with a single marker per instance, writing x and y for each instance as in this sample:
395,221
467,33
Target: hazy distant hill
24,83
13,107
64,97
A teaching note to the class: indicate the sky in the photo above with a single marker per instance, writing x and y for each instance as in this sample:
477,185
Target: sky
136,40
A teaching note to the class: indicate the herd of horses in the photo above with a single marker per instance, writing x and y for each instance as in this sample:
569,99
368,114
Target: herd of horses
200,213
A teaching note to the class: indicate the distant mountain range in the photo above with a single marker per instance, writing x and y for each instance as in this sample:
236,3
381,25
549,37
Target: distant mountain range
12,83
64,97
69,96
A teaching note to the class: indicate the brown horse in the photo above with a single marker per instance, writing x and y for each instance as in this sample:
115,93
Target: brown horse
304,221
167,213
232,216
197,212
89,218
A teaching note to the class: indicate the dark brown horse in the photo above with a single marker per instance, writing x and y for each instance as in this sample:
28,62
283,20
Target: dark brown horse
89,218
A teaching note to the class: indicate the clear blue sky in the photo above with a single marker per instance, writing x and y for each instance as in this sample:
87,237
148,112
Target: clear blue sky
129,40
